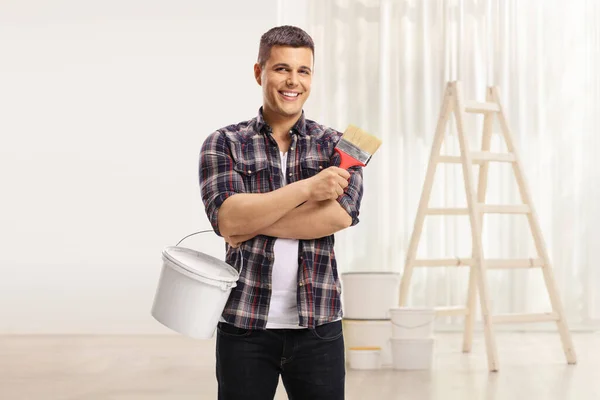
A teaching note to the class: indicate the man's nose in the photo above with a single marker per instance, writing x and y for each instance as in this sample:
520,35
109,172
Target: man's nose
292,79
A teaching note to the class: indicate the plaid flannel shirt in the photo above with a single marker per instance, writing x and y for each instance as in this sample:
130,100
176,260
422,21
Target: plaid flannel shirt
244,158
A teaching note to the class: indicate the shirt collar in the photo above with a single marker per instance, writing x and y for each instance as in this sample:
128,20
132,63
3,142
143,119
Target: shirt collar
298,128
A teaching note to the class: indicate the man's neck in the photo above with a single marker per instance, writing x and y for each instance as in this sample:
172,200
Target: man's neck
280,125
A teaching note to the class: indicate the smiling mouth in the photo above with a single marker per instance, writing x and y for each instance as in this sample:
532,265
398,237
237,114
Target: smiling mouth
289,95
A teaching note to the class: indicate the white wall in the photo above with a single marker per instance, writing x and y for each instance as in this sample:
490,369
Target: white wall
103,108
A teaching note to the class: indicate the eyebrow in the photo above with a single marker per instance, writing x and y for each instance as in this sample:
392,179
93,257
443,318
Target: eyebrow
288,66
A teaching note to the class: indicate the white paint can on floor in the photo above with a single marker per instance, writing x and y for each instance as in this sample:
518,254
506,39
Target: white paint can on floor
411,322
412,354
361,333
369,295
364,358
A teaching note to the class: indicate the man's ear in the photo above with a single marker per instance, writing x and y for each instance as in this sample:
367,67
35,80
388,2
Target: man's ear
257,73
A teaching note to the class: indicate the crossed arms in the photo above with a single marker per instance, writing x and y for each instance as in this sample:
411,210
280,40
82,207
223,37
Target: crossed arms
281,213
307,209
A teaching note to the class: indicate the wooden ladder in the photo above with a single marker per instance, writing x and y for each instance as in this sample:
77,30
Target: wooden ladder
476,208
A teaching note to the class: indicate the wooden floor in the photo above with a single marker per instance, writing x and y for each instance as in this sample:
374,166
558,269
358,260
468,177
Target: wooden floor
532,367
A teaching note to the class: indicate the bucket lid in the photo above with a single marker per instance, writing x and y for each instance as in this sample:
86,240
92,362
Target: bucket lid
200,264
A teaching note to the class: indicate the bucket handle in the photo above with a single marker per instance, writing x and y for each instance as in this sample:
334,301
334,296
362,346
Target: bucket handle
412,327
192,234
224,287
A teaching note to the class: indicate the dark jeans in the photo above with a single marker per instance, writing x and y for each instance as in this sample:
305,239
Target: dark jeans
310,361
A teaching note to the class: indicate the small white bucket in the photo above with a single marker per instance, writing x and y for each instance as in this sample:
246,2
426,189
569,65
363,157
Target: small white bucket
369,295
410,322
364,357
358,333
192,292
412,353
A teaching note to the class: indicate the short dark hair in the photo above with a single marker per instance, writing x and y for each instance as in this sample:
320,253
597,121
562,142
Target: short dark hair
285,35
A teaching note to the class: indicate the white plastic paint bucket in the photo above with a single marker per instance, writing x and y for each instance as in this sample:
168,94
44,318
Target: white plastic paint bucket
192,291
369,295
364,357
360,333
410,322
412,353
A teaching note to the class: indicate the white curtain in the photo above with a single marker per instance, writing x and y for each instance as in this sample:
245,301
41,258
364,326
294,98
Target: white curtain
383,65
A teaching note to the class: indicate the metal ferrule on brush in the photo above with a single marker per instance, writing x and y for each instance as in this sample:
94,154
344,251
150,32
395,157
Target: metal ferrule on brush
354,151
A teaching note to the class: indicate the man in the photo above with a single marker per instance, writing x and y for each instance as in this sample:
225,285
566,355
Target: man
271,189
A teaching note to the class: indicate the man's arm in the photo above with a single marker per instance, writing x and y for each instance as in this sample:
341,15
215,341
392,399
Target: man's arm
245,214
352,197
311,220
251,212
233,212
314,220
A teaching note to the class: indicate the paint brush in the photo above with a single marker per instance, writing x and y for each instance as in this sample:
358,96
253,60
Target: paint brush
356,147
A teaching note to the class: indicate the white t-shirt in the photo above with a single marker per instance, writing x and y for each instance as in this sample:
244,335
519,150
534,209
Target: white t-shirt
283,308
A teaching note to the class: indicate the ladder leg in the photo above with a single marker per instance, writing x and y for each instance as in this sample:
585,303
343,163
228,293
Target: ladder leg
481,196
540,245
470,317
445,112
563,329
474,217
490,336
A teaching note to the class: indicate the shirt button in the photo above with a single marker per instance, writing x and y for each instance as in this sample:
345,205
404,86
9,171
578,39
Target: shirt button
320,167
290,174
291,148
249,171
301,284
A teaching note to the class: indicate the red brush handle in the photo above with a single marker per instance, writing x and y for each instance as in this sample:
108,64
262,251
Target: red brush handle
347,161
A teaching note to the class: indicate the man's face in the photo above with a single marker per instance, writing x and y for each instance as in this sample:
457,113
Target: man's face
285,79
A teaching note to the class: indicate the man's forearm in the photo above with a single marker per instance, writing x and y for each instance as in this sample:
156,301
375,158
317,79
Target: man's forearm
311,220
248,213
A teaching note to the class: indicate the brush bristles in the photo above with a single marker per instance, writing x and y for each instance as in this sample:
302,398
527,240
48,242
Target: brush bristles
361,139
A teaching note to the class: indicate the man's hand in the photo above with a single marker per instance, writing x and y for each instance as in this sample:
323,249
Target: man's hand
231,242
328,184
235,241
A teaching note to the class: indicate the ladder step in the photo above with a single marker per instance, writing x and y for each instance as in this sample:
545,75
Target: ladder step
485,208
479,107
448,262
515,263
479,157
448,211
452,310
510,318
490,263
483,156
504,209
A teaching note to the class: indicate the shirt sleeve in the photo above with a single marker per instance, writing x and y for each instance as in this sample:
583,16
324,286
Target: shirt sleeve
218,179
350,200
